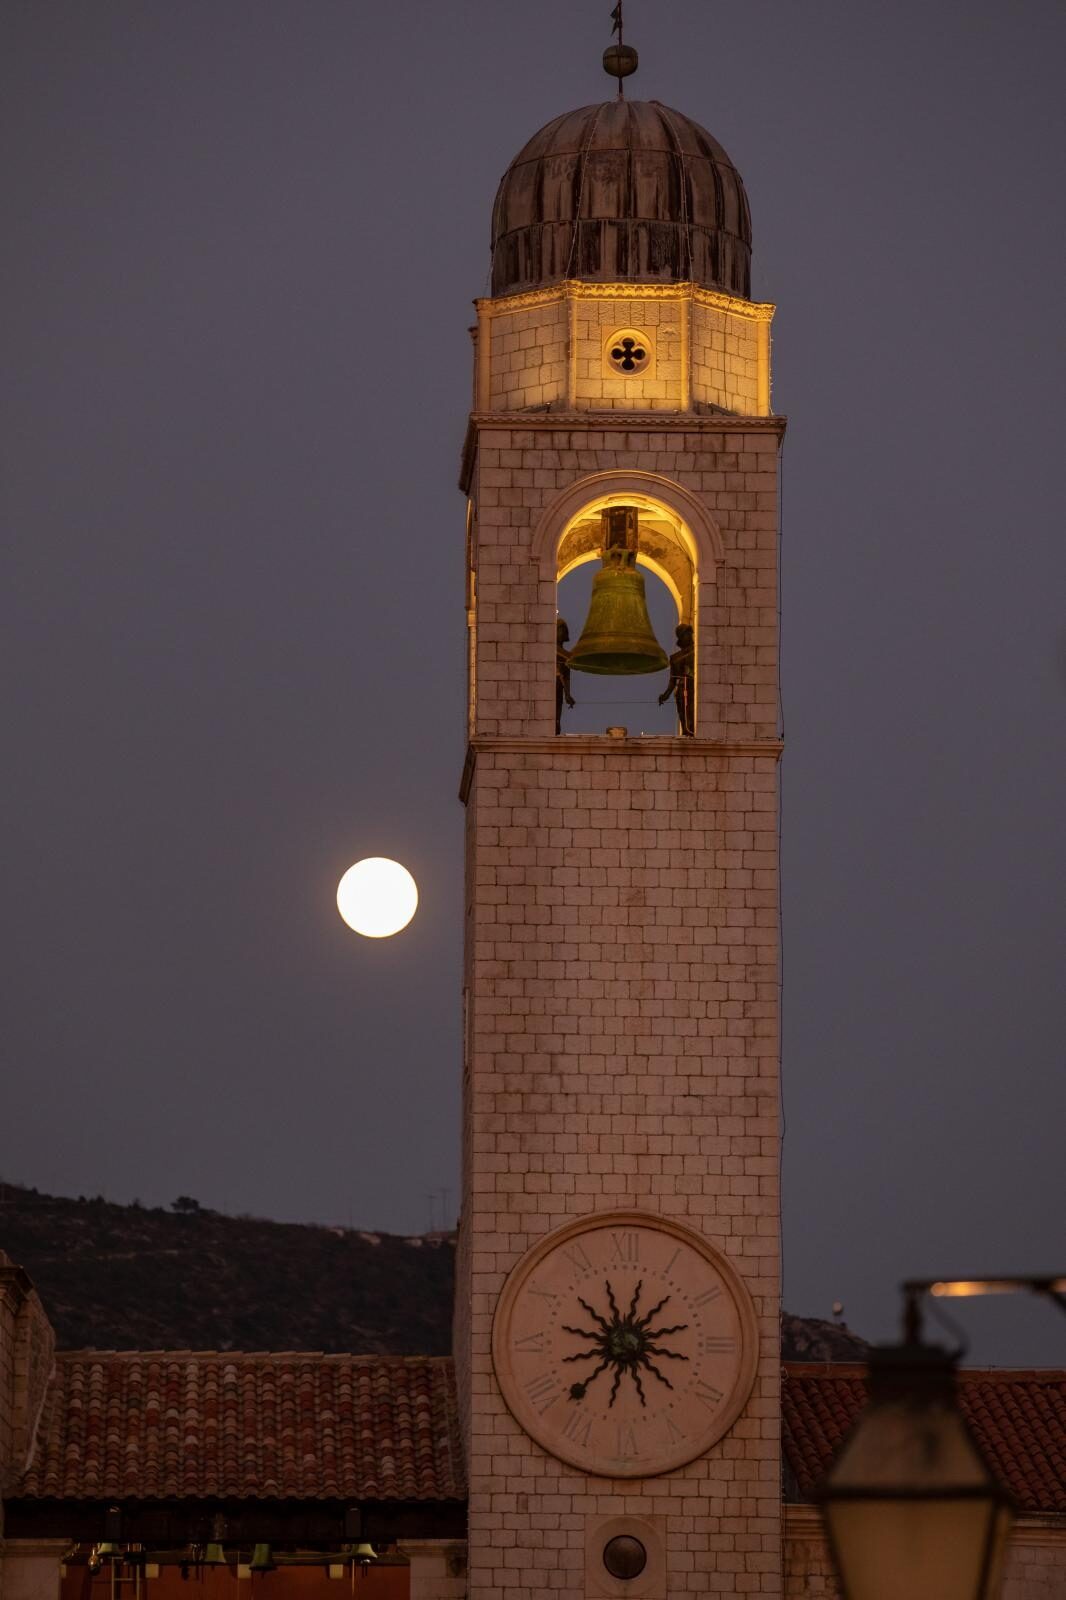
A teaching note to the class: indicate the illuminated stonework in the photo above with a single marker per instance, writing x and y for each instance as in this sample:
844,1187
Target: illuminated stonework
551,347
627,353
621,961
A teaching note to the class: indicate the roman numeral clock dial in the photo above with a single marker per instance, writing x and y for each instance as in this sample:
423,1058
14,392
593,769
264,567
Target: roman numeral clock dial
625,1344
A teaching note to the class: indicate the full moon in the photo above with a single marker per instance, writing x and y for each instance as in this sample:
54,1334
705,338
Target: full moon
377,897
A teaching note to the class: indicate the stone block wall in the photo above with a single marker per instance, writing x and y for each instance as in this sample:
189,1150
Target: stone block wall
27,1350
730,468
1036,1561
662,322
725,359
528,356
808,1567
549,349
623,1049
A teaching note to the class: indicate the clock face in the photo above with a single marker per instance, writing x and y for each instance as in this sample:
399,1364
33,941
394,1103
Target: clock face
625,1344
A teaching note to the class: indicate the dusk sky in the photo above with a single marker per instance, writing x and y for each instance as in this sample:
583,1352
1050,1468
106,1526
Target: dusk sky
241,242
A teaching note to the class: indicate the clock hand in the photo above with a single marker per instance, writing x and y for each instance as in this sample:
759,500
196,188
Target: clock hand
657,1350
579,1390
643,1321
582,1333
604,1324
653,1369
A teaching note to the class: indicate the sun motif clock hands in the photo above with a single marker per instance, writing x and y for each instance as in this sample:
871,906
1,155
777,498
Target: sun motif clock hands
625,1344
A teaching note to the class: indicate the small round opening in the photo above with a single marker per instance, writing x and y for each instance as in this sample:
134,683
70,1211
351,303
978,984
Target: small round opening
624,1556
628,353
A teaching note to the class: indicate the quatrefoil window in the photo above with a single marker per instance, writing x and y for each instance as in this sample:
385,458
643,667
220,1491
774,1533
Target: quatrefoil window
629,355
628,352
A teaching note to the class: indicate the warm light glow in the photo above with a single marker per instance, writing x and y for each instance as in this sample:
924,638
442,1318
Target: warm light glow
377,897
962,1288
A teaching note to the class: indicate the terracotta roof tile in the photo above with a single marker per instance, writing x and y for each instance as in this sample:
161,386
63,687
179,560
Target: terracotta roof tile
185,1424
202,1425
1018,1420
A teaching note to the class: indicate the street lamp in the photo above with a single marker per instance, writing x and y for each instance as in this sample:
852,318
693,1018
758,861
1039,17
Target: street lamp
910,1507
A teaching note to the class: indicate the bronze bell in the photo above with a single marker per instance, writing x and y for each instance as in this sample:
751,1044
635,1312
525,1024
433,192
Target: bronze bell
618,636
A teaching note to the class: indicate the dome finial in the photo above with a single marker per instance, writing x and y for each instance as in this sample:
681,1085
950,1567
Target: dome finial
619,60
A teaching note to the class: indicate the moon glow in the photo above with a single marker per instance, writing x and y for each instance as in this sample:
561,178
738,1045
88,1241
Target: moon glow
377,897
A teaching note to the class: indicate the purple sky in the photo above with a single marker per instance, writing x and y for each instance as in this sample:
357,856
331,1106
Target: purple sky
241,242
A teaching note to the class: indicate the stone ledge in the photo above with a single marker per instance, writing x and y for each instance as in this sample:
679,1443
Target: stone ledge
630,421
625,289
609,421
651,745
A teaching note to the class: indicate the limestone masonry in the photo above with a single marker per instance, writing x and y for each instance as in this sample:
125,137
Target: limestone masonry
621,972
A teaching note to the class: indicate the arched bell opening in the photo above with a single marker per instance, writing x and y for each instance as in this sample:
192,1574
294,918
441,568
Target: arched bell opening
625,581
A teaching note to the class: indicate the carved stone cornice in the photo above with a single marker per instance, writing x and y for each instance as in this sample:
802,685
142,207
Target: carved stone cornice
608,422
631,421
653,746
575,289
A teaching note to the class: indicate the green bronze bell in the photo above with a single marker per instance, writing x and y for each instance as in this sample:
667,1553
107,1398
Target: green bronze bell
618,636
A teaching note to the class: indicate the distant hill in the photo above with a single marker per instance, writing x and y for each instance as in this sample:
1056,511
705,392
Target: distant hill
143,1278
811,1339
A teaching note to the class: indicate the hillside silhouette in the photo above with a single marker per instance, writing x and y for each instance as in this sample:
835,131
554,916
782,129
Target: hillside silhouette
115,1277
134,1277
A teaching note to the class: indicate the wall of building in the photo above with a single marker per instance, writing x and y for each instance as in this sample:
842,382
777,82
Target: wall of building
725,358
808,1569
31,1569
597,322
27,1351
550,349
528,357
623,1051
622,961
1036,1562
730,469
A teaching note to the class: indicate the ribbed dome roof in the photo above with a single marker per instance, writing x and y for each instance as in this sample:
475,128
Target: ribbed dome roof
624,191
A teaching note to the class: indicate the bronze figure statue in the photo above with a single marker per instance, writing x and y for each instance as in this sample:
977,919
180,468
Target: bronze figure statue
562,673
682,683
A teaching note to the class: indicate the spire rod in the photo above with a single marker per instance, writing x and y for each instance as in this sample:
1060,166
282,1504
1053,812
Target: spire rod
619,60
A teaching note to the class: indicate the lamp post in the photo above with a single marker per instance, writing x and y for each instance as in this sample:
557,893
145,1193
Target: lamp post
910,1507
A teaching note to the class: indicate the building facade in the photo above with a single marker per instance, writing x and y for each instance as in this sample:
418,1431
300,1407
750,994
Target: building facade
168,1452
618,1335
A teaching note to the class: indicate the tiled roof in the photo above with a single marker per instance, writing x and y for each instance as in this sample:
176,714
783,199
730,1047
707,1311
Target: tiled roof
187,1424
1018,1420
184,1424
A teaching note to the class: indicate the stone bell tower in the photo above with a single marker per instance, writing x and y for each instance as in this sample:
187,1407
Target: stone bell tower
617,1333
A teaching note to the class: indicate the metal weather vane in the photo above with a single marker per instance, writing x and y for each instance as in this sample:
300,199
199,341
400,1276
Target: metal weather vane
624,1342
619,59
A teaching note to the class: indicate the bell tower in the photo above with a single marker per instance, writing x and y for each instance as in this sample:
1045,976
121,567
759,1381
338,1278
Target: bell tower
618,1304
